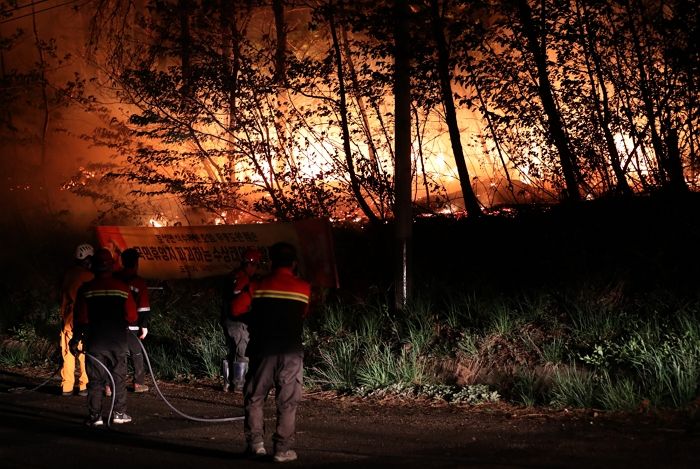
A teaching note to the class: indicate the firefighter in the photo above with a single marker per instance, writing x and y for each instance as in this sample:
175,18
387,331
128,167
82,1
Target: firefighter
236,304
104,308
73,279
138,330
280,305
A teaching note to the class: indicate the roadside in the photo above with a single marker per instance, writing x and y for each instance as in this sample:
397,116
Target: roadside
40,429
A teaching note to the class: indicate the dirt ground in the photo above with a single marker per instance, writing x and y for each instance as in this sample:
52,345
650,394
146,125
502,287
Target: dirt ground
40,429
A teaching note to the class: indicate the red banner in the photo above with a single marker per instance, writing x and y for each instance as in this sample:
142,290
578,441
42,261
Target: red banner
208,250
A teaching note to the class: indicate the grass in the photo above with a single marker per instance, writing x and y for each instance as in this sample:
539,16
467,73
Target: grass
526,387
572,387
574,349
337,365
553,351
15,355
666,364
503,322
169,363
209,348
618,393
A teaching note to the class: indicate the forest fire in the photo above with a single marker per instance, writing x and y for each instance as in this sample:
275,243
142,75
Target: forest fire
477,202
183,106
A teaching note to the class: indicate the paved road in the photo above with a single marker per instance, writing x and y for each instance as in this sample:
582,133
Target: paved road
43,430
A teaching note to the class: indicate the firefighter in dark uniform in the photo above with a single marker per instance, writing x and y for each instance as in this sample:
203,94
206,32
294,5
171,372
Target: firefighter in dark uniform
139,329
275,323
236,304
103,311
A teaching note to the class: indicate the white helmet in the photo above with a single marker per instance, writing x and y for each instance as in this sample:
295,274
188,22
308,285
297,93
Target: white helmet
83,251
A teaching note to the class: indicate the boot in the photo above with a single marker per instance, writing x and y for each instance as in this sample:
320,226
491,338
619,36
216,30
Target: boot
225,373
239,371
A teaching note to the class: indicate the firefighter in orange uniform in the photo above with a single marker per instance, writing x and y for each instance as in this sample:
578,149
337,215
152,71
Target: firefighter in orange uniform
275,323
73,279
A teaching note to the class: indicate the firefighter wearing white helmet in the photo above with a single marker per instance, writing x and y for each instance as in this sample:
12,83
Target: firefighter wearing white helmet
74,277
84,251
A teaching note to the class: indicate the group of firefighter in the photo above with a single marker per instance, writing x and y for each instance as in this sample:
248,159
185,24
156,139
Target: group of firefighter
106,312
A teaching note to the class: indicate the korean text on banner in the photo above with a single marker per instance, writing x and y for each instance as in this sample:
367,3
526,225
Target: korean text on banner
209,250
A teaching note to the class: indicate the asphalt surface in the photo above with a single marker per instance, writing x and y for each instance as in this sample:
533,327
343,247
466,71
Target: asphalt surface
40,429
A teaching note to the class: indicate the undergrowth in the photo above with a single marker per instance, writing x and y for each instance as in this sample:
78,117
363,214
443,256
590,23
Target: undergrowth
591,348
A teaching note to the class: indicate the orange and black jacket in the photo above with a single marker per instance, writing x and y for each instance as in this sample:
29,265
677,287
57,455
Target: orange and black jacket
276,320
104,308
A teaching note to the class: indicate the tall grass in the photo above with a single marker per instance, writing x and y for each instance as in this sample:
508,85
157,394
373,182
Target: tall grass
14,354
169,362
419,333
572,386
600,354
378,367
337,367
210,348
526,387
503,322
553,352
620,393
590,347
667,365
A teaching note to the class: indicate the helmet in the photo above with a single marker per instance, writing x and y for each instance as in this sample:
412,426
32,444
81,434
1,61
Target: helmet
83,251
252,255
103,260
130,257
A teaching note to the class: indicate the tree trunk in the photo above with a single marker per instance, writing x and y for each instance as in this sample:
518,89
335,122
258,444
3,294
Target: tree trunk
280,80
471,203
362,109
231,54
354,181
421,158
183,8
554,119
669,163
46,114
492,129
402,152
602,103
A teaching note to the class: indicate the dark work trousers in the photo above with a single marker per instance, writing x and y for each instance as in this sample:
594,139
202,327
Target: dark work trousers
236,340
136,355
115,361
285,373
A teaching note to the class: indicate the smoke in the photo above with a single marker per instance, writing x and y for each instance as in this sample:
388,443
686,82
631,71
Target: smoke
42,124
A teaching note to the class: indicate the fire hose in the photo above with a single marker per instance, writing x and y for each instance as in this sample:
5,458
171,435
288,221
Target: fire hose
182,414
155,383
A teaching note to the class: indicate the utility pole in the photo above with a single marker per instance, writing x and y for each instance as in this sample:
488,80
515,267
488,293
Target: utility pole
402,165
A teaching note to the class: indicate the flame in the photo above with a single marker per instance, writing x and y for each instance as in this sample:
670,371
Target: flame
221,220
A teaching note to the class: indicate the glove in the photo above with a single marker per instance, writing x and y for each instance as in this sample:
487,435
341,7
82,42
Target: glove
144,333
73,346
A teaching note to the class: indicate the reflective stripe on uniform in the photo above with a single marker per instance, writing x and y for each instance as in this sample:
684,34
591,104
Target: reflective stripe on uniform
103,293
281,294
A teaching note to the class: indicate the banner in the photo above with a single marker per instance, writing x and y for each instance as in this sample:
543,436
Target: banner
208,250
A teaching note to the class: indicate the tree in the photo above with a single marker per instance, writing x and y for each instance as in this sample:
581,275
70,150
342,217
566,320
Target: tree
277,112
535,44
471,203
